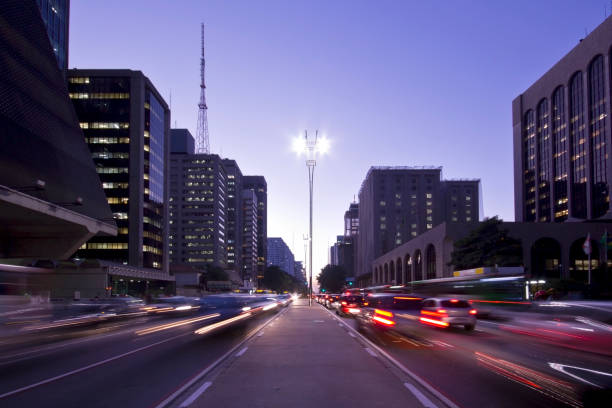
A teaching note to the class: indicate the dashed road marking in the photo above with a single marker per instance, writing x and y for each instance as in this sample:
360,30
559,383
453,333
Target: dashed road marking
241,352
260,333
420,396
351,334
370,352
196,394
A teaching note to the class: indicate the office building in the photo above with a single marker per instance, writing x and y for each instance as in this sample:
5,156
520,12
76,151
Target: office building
351,220
396,204
234,227
198,216
125,122
56,17
342,253
299,271
259,185
248,247
280,255
181,141
561,135
51,198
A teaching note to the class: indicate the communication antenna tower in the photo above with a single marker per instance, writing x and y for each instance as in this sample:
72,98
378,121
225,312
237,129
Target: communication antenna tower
202,140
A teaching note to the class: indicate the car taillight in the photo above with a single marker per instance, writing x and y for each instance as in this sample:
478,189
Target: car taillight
442,311
343,303
433,322
473,312
383,313
365,303
383,320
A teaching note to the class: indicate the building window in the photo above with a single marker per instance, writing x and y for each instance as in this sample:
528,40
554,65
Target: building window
529,163
543,161
599,149
577,122
559,144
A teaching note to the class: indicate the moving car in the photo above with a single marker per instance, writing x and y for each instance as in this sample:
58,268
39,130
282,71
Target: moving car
350,305
445,312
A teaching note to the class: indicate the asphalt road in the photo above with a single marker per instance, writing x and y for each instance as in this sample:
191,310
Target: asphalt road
491,367
139,362
130,363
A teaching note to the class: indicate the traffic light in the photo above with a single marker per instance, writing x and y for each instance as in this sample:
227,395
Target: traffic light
323,290
350,283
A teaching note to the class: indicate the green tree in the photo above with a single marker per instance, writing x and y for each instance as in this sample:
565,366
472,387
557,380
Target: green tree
280,281
332,278
212,273
487,245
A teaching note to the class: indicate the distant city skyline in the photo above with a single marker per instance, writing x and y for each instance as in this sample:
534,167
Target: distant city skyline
437,99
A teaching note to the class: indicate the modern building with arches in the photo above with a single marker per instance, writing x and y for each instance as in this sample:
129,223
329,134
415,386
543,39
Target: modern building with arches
562,137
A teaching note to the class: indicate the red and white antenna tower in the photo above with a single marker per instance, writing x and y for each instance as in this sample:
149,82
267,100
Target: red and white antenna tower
202,141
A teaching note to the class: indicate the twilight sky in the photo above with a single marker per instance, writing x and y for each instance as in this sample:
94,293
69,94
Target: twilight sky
398,83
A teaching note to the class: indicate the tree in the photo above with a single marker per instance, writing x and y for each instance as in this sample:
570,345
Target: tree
332,278
487,245
280,281
212,273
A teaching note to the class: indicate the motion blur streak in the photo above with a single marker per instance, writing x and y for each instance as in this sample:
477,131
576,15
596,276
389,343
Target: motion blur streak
433,322
552,387
500,301
222,323
175,324
270,306
384,321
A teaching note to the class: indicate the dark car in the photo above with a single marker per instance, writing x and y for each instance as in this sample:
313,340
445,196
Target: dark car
386,311
350,305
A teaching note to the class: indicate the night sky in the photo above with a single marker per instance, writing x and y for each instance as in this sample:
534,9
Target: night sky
398,83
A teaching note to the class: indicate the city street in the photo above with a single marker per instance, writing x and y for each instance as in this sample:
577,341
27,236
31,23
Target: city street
303,351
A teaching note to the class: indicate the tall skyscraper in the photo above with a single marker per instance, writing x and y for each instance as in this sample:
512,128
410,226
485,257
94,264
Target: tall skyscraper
259,185
126,126
280,255
351,220
56,16
561,133
198,215
235,225
248,247
397,204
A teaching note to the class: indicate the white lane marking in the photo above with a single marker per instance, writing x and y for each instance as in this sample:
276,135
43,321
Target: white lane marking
370,352
351,334
196,394
443,344
241,352
561,367
260,333
318,321
340,324
419,395
87,367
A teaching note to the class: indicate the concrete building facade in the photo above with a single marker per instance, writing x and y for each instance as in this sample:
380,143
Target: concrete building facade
198,210
562,135
126,124
397,204
235,217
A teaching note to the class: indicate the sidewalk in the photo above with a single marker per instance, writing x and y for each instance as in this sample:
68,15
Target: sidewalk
305,359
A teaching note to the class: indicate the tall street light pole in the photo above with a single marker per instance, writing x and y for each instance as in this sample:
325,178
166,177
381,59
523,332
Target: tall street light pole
311,148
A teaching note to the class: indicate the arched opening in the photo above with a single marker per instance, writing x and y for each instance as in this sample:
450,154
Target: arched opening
579,261
375,277
577,136
386,277
418,265
391,272
400,277
599,148
430,256
546,258
408,263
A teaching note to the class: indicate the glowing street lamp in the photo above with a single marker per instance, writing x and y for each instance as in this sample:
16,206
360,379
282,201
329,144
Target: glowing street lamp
311,148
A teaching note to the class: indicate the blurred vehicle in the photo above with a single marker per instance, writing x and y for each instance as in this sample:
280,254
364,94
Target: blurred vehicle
172,304
385,311
445,312
350,304
331,300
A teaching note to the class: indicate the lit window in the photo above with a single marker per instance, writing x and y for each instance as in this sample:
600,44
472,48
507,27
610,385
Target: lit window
383,203
429,226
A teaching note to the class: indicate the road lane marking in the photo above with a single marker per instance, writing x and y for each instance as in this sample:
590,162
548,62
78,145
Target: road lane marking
241,352
561,368
196,394
87,367
443,398
370,352
351,334
173,396
260,333
443,344
419,395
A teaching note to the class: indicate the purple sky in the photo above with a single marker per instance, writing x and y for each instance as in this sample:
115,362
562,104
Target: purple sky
389,82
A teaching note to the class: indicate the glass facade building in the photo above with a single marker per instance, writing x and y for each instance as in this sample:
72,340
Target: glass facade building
125,123
56,16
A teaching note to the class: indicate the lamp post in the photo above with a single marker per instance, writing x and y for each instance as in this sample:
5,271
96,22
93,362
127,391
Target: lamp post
310,148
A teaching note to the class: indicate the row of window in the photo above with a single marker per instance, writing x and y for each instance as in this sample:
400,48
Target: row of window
99,95
105,245
107,140
104,125
111,170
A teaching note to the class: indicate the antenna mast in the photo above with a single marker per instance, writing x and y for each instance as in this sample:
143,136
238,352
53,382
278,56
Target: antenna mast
202,140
